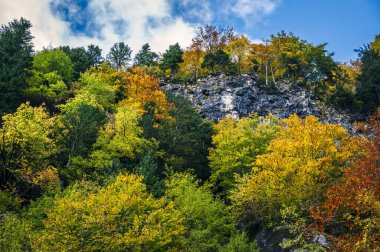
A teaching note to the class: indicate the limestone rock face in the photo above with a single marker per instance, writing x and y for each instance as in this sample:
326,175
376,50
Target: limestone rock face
218,96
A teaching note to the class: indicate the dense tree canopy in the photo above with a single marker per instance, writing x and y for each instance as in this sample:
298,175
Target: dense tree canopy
95,156
303,159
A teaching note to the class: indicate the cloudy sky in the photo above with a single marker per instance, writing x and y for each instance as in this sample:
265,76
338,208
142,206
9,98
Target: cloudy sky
344,24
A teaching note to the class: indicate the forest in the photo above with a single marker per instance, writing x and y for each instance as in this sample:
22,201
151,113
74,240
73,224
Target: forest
95,156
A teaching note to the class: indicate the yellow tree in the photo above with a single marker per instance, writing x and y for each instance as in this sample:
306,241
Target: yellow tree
191,68
304,159
240,49
26,145
121,216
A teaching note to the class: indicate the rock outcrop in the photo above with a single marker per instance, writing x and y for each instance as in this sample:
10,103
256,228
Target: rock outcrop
217,96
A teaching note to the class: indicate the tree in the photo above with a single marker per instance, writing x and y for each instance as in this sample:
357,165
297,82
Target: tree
80,120
190,68
80,59
212,38
149,169
117,217
240,50
54,60
26,146
51,75
368,87
208,221
237,143
117,146
171,59
95,55
185,139
16,49
304,159
350,213
145,57
89,84
222,60
119,55
209,62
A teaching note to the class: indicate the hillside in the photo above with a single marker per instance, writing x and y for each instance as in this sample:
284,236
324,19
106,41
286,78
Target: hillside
228,145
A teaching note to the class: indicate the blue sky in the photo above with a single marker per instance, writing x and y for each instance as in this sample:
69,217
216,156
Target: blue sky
344,24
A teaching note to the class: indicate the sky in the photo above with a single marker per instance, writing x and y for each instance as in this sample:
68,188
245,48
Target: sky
344,24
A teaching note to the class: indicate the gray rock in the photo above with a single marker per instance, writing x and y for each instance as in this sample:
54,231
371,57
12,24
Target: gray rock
218,96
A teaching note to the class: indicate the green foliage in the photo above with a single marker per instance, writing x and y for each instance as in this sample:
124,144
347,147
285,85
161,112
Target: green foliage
55,60
80,58
50,78
120,216
116,147
185,139
26,146
90,84
239,242
145,57
95,55
119,55
209,61
237,143
15,234
16,49
208,221
80,120
220,59
149,169
171,59
368,88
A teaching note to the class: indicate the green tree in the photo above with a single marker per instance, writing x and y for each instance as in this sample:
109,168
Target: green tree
145,57
209,62
149,169
15,233
209,223
95,54
222,60
119,55
26,146
237,143
368,87
16,50
91,85
80,59
171,59
185,139
117,146
121,216
80,120
50,78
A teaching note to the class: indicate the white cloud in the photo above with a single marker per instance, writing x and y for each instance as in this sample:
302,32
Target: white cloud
146,21
142,21
254,10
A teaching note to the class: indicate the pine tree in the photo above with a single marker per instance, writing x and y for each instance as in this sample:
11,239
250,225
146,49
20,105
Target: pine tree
16,49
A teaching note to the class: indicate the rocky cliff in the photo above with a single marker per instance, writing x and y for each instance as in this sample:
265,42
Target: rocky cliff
237,96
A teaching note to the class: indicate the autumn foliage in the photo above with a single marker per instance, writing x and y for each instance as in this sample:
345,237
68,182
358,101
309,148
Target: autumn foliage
351,211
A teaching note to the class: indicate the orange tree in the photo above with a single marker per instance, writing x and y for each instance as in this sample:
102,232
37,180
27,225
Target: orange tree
351,211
